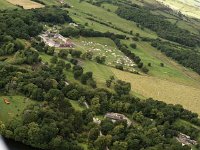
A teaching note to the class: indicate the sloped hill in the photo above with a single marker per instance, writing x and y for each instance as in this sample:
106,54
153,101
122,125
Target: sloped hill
187,7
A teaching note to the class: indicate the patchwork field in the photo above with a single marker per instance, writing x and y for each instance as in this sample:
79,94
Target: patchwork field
27,4
15,108
169,92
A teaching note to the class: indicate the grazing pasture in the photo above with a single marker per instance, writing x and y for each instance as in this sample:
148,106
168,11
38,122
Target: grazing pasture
15,108
27,4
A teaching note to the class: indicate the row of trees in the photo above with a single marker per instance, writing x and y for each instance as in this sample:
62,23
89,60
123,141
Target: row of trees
123,48
185,56
162,27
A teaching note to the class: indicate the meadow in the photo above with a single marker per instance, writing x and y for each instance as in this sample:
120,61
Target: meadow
81,11
15,108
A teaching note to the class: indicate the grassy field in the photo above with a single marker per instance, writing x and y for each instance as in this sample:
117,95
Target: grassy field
148,86
172,70
101,72
27,4
6,5
109,7
164,90
76,105
15,108
83,9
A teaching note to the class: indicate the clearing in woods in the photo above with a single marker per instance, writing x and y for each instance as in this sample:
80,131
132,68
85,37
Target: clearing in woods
15,108
27,4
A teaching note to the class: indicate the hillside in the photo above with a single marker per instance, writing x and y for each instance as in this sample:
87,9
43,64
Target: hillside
187,7
100,74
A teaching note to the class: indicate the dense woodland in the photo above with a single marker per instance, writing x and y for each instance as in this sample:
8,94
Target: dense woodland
52,123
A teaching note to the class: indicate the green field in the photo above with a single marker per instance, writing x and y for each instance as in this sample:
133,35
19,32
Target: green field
76,105
172,71
6,5
81,10
15,108
101,72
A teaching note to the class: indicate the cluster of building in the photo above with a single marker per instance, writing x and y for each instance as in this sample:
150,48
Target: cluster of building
56,40
185,139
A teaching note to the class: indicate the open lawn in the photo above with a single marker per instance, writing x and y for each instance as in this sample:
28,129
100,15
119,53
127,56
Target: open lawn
101,72
27,4
76,105
15,108
164,90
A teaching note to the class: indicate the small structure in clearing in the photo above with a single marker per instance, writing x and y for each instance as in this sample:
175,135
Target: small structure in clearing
6,101
185,139
117,117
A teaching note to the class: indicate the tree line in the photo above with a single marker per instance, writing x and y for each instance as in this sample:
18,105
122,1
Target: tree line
185,56
162,27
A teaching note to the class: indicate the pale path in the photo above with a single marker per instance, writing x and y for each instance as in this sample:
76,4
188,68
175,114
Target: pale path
163,90
27,4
